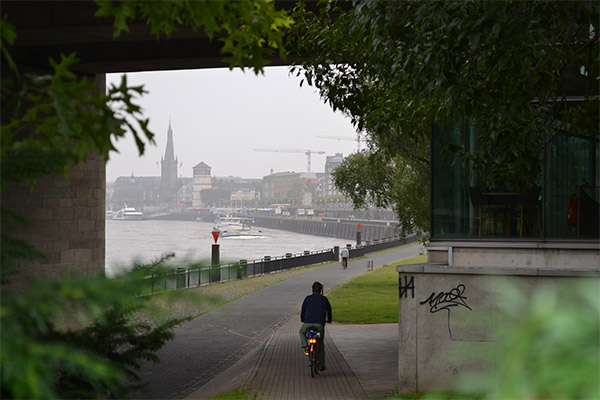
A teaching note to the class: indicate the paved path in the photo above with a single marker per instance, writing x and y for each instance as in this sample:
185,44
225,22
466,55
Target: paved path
282,371
206,346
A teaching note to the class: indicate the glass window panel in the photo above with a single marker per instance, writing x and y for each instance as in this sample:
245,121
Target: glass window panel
461,208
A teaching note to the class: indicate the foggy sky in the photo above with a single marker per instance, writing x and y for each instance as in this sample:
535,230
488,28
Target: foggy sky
219,116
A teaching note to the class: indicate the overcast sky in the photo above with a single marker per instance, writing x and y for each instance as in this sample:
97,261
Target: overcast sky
220,116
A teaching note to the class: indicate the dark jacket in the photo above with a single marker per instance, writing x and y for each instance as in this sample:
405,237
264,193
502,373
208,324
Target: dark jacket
316,309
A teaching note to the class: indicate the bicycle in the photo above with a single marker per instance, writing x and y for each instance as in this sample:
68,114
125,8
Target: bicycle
313,337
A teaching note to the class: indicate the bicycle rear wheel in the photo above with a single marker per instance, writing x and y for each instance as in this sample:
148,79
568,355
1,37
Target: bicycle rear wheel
312,362
315,364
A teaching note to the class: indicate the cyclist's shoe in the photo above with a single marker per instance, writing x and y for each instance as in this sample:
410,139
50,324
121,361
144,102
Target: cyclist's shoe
322,368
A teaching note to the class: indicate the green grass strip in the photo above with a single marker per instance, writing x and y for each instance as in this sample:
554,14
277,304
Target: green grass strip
436,396
237,394
371,298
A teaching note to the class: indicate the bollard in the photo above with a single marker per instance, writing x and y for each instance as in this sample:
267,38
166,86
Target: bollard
215,273
369,265
216,257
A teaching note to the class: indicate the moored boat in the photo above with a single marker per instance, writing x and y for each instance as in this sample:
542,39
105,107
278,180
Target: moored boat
246,233
128,214
236,227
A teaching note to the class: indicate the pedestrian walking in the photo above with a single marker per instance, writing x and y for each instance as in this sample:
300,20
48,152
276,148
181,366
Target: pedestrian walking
345,255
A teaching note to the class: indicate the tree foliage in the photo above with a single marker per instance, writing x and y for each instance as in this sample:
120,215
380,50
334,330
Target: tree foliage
547,343
251,31
56,120
398,67
372,178
75,337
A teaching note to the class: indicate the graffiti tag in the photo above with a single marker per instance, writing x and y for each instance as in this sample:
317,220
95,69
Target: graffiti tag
408,285
446,301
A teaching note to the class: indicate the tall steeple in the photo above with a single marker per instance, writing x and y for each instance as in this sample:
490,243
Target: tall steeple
169,182
170,151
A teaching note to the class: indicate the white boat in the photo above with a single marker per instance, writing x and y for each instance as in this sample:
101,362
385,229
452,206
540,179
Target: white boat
236,227
128,214
246,233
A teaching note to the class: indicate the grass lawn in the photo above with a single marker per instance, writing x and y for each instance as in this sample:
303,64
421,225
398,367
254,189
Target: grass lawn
238,394
371,298
436,396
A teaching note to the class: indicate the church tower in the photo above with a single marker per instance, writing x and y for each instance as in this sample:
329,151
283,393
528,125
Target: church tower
168,181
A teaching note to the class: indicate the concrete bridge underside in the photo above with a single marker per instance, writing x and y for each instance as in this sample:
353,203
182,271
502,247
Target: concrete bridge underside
67,214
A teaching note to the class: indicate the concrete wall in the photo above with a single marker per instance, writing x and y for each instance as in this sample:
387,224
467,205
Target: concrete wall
66,219
344,229
583,254
445,311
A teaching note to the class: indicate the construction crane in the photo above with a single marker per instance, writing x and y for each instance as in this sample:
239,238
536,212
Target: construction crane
357,139
307,152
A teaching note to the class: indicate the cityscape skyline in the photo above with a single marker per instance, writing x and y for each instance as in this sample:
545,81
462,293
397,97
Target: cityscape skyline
220,116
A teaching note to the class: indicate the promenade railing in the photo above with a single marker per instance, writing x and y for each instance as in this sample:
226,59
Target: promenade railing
199,275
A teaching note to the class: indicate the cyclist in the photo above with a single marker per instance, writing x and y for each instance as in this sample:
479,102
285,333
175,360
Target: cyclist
316,310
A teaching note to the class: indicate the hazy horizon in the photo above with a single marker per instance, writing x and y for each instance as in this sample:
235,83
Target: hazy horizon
220,116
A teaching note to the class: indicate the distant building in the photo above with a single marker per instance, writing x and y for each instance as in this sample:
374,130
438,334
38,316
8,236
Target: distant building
283,185
244,196
233,183
201,180
331,163
137,192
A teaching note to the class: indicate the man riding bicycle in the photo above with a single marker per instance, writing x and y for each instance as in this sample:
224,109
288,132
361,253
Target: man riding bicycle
316,310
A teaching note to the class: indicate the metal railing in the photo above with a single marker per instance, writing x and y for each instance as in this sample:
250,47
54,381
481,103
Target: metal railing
193,276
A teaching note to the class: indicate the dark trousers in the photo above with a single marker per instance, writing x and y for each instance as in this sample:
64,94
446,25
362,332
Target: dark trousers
321,347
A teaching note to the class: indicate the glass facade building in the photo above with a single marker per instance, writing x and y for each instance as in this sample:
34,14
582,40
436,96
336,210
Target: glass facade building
564,204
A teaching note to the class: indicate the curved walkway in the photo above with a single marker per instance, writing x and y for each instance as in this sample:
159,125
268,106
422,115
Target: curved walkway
205,347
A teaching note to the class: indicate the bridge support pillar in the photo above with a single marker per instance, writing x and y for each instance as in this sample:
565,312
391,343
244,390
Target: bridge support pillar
66,218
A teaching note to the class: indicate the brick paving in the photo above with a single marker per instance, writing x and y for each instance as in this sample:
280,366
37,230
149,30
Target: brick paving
282,371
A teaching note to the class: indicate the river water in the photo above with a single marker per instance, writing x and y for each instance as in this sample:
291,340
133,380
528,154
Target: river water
129,242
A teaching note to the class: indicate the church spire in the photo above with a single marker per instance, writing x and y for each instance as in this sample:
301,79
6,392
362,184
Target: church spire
169,182
170,151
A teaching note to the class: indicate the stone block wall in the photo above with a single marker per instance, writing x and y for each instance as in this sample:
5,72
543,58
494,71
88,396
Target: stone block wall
65,219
